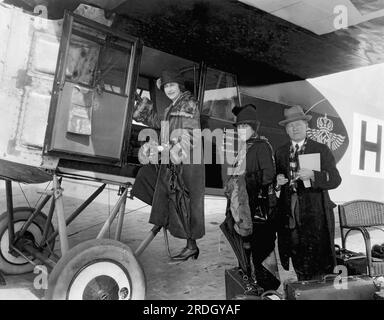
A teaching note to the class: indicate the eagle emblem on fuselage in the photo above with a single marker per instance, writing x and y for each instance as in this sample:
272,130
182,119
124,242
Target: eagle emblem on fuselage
324,135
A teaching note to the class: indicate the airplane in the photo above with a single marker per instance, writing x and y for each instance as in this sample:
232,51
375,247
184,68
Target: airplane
70,72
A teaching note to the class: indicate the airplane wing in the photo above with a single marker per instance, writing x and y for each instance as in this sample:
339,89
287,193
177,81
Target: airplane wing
283,41
22,173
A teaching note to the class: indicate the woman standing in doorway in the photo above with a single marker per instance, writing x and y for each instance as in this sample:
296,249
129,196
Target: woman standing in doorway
152,182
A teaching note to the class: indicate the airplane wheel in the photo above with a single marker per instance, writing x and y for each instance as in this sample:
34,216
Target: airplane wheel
101,269
10,264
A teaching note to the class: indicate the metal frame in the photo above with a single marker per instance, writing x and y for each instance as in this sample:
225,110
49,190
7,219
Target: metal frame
20,246
11,229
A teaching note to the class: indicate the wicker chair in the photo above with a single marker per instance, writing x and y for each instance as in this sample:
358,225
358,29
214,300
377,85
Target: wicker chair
360,215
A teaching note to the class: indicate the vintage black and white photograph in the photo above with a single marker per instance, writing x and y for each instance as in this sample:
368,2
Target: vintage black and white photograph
193,150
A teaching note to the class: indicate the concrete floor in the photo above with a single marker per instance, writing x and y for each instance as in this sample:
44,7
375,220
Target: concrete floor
201,279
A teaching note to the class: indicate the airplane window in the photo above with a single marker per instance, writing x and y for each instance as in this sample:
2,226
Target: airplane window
143,93
113,67
220,95
97,60
190,76
82,60
84,50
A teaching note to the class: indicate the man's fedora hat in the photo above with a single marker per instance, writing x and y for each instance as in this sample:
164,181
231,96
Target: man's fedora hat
168,76
294,113
245,114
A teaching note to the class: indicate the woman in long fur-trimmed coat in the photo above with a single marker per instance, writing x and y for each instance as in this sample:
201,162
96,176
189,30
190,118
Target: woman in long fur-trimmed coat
152,182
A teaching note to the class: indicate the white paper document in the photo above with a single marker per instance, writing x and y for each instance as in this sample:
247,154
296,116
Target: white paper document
309,161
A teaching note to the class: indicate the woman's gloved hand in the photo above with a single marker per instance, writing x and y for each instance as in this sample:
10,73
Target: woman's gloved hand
143,108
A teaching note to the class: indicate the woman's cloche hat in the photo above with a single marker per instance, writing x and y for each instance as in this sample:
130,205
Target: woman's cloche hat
168,76
245,114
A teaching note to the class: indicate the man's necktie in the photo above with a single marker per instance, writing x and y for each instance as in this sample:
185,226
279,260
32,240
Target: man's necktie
294,163
296,153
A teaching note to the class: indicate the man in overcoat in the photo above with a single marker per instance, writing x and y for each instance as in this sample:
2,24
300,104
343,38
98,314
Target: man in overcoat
305,211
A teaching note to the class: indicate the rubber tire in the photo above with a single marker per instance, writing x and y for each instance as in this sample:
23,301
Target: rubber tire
83,255
20,214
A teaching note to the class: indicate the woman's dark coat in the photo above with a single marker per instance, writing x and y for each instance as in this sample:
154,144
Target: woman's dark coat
260,173
259,177
152,184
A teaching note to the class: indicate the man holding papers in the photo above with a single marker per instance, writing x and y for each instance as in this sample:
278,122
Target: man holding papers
305,171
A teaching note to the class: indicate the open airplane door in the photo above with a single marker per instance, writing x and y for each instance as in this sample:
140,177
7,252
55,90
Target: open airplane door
88,122
96,75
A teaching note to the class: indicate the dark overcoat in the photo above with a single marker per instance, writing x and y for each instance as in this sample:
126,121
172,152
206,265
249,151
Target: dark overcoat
259,176
260,200
260,173
312,242
152,182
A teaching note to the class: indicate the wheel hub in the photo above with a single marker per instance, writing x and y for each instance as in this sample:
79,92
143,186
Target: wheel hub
32,235
101,288
27,238
101,280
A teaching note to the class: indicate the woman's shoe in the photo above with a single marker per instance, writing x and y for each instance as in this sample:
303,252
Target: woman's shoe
186,253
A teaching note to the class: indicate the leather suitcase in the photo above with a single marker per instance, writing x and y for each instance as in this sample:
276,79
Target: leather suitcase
357,288
237,283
